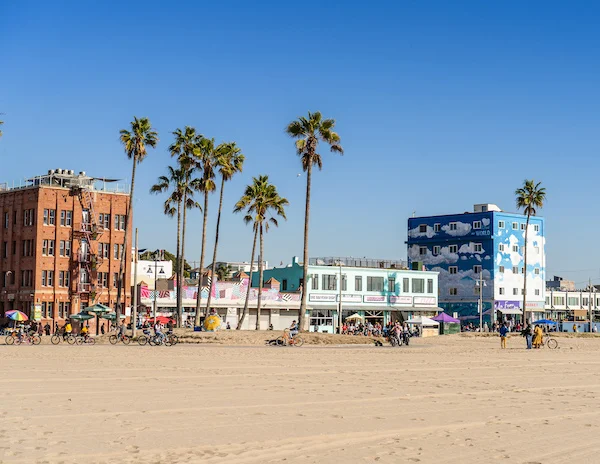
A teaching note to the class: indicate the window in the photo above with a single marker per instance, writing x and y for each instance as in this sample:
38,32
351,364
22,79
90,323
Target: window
501,291
103,250
374,284
536,271
476,224
515,291
501,224
27,278
501,248
49,217
430,286
501,269
67,278
536,227
422,250
436,250
314,280
119,222
453,226
515,225
122,219
478,247
28,217
537,292
284,284
115,278
50,278
329,282
44,278
62,217
6,220
515,270
61,248
103,279
453,291
453,248
391,284
116,251
522,291
344,283
64,309
104,220
69,223
44,248
61,278
422,228
523,225
358,283
66,218
515,248
418,285
453,269
405,285
559,300
572,301
5,250
477,269
51,244
437,227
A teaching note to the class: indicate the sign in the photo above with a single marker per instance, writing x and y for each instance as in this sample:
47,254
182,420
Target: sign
535,305
424,300
395,299
375,298
350,298
37,312
321,297
507,305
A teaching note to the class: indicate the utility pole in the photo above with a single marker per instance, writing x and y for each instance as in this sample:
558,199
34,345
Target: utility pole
135,287
340,309
481,301
590,312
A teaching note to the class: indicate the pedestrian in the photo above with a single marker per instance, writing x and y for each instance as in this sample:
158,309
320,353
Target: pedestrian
56,327
538,335
575,328
503,335
228,326
528,334
47,328
40,329
102,329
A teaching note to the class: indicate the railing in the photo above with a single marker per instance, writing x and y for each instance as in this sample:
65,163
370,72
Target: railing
358,262
84,287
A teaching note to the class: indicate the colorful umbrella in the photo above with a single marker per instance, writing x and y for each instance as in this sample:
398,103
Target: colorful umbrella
212,323
16,315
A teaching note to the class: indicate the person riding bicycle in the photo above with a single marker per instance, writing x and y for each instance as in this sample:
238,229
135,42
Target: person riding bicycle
293,329
158,331
85,332
170,326
67,330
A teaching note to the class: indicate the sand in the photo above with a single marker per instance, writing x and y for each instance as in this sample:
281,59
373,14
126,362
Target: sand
444,400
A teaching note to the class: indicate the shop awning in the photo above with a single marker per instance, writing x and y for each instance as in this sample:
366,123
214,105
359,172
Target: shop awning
349,307
511,311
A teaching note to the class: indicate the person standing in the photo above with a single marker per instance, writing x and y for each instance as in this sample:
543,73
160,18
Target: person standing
47,328
503,335
538,335
528,334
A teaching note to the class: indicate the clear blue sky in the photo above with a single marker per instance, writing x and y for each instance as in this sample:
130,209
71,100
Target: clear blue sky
439,104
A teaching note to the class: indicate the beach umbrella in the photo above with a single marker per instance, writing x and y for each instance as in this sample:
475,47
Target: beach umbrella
98,308
16,315
355,316
111,316
81,317
544,322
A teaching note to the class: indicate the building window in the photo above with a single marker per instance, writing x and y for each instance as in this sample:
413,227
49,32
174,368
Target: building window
358,280
515,291
6,220
537,292
436,250
478,247
418,285
391,284
422,228
500,224
476,224
374,284
44,278
515,226
61,278
405,285
453,291
329,282
69,223
501,269
314,280
49,217
284,284
28,217
344,283
437,227
66,218
477,269
536,227
116,251
104,220
515,248
536,271
44,247
453,248
422,251
523,226
501,291
501,248
119,222
50,278
515,270
572,301
430,286
51,244
453,225
522,291
453,269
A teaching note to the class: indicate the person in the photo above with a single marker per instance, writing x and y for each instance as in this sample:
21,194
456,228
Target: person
85,332
170,325
102,329
68,329
486,328
47,328
538,335
158,330
121,330
575,328
293,329
270,326
56,327
528,334
503,335
595,329
40,329
228,326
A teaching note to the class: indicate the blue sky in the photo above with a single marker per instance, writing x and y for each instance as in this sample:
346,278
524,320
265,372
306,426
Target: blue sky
439,104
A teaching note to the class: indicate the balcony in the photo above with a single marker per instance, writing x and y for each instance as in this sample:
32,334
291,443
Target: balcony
84,287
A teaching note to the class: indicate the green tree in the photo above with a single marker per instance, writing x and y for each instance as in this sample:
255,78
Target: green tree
206,159
135,141
223,271
261,203
309,131
149,255
530,197
228,161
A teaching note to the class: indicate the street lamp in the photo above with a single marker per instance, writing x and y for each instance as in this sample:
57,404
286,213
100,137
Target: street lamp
157,256
481,283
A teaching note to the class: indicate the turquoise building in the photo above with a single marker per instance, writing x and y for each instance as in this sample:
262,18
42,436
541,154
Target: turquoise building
378,290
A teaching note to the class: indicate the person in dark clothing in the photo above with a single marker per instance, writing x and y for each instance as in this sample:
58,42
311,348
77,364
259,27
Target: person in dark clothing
528,334
47,328
503,334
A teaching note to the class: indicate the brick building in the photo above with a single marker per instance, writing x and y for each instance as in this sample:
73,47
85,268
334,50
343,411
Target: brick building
61,241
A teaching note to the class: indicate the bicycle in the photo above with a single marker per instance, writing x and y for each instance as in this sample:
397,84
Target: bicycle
60,337
114,339
550,342
287,340
80,340
28,339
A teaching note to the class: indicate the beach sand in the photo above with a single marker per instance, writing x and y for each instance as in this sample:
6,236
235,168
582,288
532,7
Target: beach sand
445,400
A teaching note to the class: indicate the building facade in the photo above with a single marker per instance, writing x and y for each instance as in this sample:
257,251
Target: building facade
483,251
61,240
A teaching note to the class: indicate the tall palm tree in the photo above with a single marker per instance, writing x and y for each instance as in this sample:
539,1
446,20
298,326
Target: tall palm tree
262,203
228,161
135,141
206,158
310,131
184,148
530,197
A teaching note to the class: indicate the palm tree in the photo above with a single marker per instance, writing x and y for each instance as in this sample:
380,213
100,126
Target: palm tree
530,197
309,132
184,149
206,157
229,160
134,142
223,271
176,183
261,202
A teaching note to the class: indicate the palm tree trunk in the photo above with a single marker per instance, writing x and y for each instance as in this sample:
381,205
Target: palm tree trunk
245,310
178,261
260,279
302,311
525,272
214,261
197,322
183,228
123,264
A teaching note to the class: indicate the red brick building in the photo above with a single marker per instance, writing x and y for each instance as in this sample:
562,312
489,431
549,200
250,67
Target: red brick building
61,241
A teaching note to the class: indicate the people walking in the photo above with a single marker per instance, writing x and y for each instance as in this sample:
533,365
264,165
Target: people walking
538,335
503,335
528,334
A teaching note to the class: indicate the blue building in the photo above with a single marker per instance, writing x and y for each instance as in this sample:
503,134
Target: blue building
487,243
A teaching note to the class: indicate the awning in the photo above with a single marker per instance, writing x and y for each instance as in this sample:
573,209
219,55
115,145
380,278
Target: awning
510,311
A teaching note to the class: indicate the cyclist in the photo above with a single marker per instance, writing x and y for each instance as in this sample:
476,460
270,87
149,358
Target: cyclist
158,331
68,329
85,332
293,329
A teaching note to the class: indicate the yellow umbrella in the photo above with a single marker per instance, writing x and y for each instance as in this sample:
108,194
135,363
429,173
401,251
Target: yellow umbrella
212,323
355,316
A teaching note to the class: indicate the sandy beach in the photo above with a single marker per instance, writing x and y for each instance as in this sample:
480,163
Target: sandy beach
445,400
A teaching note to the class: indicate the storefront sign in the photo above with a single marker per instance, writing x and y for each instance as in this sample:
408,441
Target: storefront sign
535,305
350,298
375,298
395,299
321,297
424,300
507,305
37,312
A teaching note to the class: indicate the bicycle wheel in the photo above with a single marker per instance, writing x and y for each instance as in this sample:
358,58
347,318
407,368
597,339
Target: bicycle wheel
91,341
36,340
55,339
126,339
152,341
552,343
113,339
10,340
142,340
79,340
167,341
298,341
174,339
71,340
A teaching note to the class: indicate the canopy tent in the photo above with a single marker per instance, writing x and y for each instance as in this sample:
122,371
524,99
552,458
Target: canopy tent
354,317
511,311
111,316
443,317
544,322
161,319
82,316
423,321
98,308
